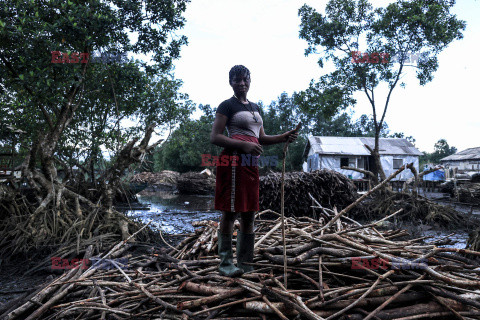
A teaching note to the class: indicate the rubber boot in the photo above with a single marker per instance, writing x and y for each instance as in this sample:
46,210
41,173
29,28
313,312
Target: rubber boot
226,267
245,243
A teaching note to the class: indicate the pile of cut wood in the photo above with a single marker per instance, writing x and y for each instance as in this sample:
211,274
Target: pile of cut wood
328,187
163,180
415,208
334,271
196,183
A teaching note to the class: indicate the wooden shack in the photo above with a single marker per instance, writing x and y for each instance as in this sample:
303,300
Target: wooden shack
336,152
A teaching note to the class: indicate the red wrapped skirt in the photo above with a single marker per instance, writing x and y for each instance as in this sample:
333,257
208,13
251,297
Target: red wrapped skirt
237,182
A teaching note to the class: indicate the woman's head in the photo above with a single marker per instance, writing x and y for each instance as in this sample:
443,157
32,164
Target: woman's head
239,78
238,70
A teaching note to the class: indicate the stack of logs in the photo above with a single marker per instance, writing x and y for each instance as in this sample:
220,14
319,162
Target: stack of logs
415,208
334,271
328,187
196,183
165,179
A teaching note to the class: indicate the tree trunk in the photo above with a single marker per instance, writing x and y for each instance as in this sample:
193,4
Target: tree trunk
110,181
376,157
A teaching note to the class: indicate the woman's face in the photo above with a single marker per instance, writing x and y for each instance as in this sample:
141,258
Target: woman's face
240,84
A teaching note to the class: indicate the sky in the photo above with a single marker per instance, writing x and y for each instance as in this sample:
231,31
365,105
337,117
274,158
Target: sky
264,36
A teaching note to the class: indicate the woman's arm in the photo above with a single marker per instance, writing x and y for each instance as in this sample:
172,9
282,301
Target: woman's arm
217,138
289,136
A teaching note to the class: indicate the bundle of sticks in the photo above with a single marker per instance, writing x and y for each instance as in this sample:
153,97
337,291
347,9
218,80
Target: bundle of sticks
195,183
415,208
328,187
337,269
165,176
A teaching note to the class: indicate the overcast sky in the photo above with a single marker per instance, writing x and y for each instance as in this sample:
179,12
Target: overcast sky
263,36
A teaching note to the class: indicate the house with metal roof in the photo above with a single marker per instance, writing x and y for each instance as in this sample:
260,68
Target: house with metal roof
336,152
466,160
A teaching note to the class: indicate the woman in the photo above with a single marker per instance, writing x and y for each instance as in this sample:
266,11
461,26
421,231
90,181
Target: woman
237,184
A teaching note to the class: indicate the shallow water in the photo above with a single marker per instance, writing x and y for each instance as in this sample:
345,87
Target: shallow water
457,240
174,213
460,237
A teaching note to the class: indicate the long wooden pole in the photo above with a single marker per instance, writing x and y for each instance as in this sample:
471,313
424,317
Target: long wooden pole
282,212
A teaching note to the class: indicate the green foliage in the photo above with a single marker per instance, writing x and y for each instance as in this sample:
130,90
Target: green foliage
441,150
184,148
112,102
322,101
402,135
281,116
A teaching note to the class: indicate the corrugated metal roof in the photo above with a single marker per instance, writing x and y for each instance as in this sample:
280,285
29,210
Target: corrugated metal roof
468,154
356,146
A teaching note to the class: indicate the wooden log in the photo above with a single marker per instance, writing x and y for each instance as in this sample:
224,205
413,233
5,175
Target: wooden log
203,288
416,309
263,307
211,299
365,172
306,255
352,205
46,292
306,312
372,302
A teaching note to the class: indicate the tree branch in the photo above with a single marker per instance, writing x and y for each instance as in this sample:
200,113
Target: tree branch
390,92
365,172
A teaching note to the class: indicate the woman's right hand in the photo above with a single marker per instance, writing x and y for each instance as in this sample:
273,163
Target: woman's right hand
252,148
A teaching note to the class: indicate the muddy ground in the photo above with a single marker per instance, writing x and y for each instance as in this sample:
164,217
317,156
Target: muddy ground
14,283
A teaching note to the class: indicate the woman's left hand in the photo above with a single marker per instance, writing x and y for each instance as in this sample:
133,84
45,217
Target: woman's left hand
291,136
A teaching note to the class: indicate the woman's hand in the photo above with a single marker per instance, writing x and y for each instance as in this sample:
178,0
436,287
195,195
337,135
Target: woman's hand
290,136
252,148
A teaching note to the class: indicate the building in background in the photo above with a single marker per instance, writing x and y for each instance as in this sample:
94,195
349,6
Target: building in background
336,152
466,161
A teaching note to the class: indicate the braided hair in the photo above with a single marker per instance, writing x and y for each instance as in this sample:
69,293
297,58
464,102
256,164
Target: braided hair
238,70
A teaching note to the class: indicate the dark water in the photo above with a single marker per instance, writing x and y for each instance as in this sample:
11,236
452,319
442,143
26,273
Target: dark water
461,236
174,213
457,240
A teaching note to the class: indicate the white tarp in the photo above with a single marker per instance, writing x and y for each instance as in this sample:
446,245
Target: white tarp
387,164
333,163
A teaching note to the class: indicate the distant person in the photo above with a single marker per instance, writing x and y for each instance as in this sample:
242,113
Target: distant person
237,184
